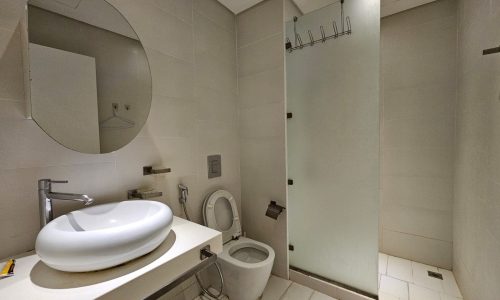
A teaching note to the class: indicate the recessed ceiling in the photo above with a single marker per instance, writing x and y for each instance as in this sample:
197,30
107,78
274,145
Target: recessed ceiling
388,7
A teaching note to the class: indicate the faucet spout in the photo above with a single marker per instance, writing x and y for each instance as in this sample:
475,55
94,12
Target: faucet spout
45,197
71,197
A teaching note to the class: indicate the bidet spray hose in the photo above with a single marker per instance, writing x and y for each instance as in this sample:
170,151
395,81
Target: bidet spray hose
183,191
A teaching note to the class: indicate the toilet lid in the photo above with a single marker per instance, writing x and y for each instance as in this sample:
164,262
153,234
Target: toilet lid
220,213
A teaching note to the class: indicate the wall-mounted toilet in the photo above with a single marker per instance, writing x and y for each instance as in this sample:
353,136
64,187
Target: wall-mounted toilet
246,264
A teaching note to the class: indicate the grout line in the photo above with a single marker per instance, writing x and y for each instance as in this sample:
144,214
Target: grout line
286,290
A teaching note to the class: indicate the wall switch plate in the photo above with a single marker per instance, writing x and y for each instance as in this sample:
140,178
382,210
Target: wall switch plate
214,163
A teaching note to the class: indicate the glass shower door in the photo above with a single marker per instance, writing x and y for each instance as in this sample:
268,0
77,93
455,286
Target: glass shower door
333,146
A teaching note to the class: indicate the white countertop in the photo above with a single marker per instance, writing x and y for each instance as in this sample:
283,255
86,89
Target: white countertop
133,280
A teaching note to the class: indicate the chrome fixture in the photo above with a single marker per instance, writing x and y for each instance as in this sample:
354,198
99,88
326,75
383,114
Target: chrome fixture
143,194
45,197
183,193
148,170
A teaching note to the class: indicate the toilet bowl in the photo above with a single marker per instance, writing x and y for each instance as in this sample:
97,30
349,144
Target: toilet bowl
246,264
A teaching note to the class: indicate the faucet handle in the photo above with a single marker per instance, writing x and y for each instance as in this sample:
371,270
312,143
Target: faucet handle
45,184
58,181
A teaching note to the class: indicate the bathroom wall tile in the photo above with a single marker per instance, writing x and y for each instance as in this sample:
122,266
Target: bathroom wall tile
432,162
216,74
262,88
263,172
263,121
214,39
261,56
217,106
10,13
263,20
418,192
432,101
433,224
11,70
171,76
217,13
172,117
182,9
416,17
414,132
5,37
320,296
428,68
417,248
159,30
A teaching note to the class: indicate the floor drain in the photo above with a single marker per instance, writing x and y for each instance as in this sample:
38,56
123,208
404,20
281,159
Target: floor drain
435,275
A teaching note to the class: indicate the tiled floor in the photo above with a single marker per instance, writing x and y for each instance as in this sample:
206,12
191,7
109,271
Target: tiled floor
399,279
402,279
282,289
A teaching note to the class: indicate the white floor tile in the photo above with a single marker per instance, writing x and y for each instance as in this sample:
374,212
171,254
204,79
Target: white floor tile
385,296
450,286
422,278
382,263
297,292
448,297
275,288
421,293
394,287
399,268
320,296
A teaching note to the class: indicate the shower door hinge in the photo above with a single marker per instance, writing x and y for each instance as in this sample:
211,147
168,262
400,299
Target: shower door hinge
290,181
291,247
289,115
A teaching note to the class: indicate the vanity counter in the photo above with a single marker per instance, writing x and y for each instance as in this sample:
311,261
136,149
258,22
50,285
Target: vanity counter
136,279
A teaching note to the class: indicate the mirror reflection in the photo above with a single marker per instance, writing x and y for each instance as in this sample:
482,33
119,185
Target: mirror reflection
90,77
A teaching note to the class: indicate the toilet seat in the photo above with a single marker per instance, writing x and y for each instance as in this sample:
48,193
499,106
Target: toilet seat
210,217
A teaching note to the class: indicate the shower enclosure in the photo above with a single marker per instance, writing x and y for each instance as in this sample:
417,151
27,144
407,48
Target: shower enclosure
333,145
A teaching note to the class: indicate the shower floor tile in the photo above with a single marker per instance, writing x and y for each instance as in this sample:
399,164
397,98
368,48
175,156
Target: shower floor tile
405,279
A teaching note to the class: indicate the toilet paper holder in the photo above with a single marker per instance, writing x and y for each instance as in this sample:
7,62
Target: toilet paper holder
274,210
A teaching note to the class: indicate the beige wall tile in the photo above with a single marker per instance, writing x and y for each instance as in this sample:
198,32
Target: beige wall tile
217,13
261,21
476,234
262,56
418,132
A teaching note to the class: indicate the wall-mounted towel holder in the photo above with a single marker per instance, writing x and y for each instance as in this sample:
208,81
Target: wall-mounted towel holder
491,51
148,170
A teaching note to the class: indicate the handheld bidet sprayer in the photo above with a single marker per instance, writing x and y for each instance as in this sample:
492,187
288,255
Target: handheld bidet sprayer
183,193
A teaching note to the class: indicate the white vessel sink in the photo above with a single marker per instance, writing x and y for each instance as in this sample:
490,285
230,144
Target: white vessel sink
103,236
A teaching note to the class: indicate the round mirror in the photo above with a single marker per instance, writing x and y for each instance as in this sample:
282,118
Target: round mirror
90,79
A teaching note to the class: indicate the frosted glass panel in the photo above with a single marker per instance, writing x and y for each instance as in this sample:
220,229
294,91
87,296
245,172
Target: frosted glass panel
333,146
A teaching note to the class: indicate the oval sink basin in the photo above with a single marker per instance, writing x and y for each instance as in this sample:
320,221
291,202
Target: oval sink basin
103,236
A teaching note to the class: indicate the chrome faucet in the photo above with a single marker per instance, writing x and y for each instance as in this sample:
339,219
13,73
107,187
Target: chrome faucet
45,197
